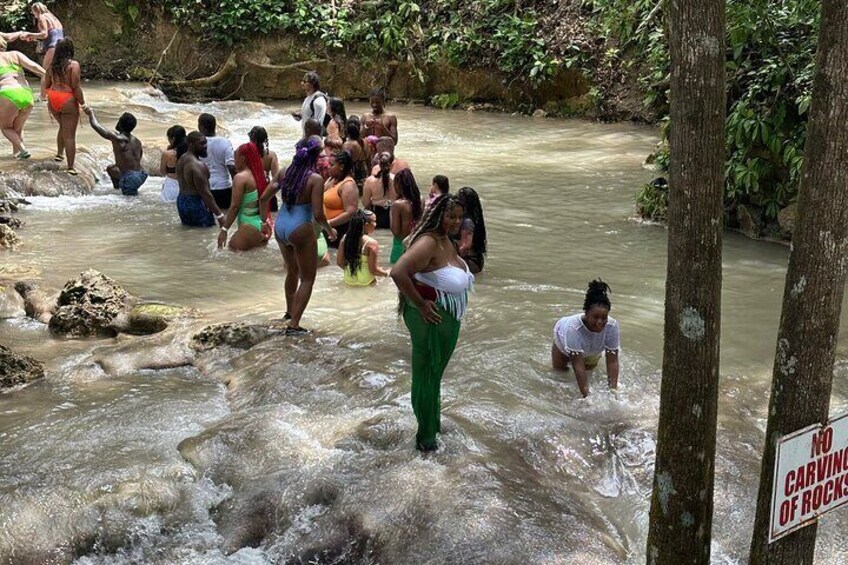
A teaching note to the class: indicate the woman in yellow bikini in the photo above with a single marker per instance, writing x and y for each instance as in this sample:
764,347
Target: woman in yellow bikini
16,98
64,98
358,251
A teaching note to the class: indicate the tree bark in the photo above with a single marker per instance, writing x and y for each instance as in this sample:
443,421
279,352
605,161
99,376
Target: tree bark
815,281
682,500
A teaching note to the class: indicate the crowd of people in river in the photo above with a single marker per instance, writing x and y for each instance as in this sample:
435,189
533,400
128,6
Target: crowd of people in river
343,183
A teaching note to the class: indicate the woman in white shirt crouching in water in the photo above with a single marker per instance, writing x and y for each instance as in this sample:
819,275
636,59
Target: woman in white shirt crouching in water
580,339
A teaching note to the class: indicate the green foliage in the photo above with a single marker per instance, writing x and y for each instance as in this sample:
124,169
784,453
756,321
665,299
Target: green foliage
770,62
445,101
126,10
481,33
15,16
652,201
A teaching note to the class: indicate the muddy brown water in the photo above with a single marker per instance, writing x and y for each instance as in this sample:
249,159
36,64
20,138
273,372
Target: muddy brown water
311,444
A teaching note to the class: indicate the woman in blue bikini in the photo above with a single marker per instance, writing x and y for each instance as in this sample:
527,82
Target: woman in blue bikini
302,192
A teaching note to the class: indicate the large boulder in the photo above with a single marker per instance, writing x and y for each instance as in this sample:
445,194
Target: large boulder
16,369
39,301
38,177
91,305
152,318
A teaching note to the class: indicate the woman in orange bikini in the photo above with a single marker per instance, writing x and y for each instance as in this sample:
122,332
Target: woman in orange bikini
64,97
341,196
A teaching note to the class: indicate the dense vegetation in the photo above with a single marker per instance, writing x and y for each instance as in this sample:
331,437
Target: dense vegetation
771,49
770,62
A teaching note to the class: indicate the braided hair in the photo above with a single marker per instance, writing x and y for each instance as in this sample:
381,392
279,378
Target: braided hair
473,209
430,223
254,162
301,168
597,295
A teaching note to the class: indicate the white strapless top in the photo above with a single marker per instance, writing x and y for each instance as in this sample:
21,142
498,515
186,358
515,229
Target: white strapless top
451,285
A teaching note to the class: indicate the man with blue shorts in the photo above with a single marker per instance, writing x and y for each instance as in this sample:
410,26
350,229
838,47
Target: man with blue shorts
195,203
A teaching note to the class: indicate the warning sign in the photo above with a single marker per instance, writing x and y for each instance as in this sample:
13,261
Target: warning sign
810,475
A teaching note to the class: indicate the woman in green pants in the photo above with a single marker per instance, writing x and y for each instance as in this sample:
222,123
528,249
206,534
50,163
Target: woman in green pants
434,283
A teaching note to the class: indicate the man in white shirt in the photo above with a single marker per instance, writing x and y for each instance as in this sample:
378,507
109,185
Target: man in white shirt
315,103
220,160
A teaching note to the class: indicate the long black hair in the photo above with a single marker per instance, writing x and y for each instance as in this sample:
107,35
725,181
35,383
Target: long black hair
355,231
259,137
597,295
337,109
301,168
62,58
177,136
406,186
473,209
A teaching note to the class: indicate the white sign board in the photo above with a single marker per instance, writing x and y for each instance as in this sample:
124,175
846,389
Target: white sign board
810,476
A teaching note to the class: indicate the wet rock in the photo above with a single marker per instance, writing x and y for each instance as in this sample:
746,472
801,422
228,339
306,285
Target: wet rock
164,350
786,219
48,178
14,272
16,369
152,318
750,222
39,301
539,113
8,206
8,238
13,223
91,305
240,336
11,303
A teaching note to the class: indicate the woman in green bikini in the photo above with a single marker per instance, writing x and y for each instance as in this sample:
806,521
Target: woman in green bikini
16,98
248,183
405,211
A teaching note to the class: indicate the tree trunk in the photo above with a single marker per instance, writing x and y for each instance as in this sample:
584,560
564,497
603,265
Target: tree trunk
815,281
682,500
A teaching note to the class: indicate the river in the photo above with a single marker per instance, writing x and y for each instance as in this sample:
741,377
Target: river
306,454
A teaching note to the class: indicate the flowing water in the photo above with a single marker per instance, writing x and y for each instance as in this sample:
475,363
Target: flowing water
301,450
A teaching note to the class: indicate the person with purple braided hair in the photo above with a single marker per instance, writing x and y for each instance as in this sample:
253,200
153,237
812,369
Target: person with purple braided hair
302,193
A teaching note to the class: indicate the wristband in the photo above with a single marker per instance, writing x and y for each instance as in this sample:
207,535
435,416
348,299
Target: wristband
219,216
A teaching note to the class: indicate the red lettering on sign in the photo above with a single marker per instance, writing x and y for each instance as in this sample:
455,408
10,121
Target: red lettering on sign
828,492
787,489
805,502
818,492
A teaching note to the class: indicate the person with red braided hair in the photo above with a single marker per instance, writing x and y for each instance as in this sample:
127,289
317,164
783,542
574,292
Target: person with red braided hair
248,185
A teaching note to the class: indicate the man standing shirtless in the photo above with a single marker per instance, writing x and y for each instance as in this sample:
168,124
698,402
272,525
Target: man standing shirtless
378,122
126,173
195,204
